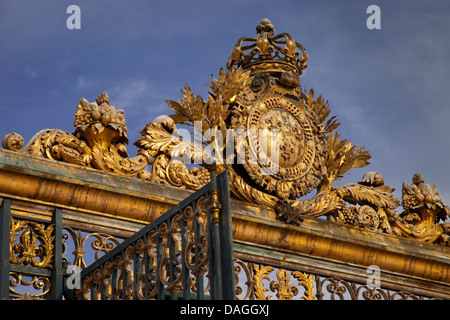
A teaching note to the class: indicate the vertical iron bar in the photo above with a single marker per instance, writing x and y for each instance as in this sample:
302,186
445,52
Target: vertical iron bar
215,268
146,268
319,294
93,290
212,265
159,285
5,216
226,238
136,272
56,282
124,276
217,262
199,278
194,295
102,284
185,271
114,286
211,269
171,244
211,262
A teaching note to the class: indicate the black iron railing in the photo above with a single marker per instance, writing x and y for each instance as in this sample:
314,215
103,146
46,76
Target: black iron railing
186,253
31,255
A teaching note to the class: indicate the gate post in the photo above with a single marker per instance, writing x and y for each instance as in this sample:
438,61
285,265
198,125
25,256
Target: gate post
5,216
57,275
221,264
226,237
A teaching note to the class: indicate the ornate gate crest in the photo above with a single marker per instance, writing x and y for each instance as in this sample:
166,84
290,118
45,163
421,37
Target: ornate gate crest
275,101
299,161
258,93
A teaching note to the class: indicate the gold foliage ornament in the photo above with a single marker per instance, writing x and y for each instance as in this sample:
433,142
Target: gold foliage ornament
38,283
31,243
285,290
100,140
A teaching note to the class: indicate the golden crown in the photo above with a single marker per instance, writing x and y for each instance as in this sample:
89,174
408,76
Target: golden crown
268,53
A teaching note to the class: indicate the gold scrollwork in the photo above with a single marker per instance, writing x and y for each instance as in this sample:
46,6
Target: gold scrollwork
259,279
330,288
101,243
39,284
285,290
247,268
170,271
35,243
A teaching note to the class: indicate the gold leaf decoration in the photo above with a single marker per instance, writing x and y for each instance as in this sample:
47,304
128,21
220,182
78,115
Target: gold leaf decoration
258,93
35,245
261,273
307,282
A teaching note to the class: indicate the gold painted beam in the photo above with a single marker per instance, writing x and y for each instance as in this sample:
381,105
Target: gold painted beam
73,187
349,245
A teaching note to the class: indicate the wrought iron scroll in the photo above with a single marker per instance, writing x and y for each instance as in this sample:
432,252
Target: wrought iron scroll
176,256
259,281
31,256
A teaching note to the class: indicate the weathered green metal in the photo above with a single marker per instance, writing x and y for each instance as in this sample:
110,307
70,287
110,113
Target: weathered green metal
226,236
5,214
57,275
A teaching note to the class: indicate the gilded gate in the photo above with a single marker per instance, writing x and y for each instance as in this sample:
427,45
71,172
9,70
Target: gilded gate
78,199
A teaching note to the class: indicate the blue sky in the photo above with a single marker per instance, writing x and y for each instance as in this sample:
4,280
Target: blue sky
389,88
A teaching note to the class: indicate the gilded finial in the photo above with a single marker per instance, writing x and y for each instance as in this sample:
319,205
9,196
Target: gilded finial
265,27
102,98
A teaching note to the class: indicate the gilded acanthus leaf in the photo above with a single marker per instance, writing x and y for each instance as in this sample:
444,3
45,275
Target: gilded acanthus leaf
342,156
378,197
155,138
230,83
211,114
189,109
307,282
261,273
322,109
